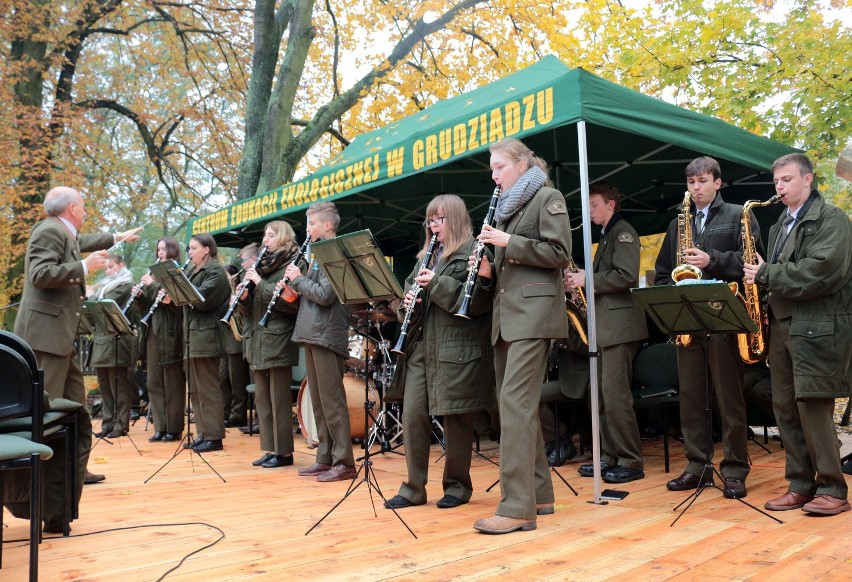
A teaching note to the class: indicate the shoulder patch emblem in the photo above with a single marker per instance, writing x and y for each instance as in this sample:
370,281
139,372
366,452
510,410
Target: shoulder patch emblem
625,237
557,208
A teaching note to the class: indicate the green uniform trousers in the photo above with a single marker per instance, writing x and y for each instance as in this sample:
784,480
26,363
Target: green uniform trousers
726,380
417,431
325,381
166,390
234,376
274,400
620,440
524,473
115,397
806,426
206,397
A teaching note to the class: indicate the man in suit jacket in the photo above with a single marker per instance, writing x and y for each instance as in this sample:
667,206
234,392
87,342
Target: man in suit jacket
808,278
54,292
620,328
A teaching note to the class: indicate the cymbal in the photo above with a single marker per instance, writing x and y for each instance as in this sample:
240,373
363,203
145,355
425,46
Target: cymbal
380,315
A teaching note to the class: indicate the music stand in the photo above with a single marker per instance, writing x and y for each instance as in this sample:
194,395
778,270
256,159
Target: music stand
358,273
108,318
701,308
181,292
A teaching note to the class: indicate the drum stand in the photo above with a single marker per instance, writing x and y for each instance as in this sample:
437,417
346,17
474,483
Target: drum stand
383,430
366,465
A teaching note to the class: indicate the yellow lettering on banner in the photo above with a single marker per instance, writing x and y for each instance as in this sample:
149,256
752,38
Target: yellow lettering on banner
528,101
339,176
431,149
417,155
358,171
300,193
472,143
495,127
459,139
376,166
513,118
483,129
323,191
314,191
445,143
544,106
394,159
368,170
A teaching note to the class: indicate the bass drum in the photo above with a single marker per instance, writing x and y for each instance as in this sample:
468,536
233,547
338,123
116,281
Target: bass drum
354,387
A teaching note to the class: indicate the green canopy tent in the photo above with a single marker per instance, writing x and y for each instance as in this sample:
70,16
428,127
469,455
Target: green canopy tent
587,129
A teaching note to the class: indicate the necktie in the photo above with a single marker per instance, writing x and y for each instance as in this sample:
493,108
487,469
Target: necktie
782,237
699,221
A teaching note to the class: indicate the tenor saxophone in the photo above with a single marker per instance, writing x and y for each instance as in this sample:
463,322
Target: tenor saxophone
752,346
684,271
575,307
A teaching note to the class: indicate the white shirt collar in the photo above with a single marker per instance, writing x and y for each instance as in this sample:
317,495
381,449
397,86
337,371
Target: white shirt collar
70,226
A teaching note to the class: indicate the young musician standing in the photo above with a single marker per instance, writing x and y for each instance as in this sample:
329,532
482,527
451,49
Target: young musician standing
532,240
164,354
204,342
111,356
620,328
718,253
270,350
448,366
322,326
809,283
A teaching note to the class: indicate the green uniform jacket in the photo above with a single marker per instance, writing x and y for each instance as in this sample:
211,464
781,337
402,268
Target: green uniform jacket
619,317
202,319
814,273
323,320
529,301
54,286
271,346
103,344
167,325
459,358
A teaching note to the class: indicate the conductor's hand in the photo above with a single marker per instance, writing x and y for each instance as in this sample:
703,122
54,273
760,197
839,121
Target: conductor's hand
750,271
493,236
127,235
292,272
96,261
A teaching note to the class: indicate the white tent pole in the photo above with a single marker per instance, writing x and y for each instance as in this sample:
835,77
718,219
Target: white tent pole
590,308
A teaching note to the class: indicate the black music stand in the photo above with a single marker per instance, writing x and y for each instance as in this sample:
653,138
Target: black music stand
358,273
108,318
701,308
182,293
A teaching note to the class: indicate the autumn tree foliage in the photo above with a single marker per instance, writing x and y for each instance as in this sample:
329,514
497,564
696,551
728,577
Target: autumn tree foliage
164,109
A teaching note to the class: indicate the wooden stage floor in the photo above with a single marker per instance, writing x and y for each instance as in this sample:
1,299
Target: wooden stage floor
133,531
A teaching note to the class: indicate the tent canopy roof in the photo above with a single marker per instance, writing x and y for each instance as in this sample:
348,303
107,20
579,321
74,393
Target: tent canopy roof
385,178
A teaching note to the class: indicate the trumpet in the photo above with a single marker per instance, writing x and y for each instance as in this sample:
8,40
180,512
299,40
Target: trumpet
478,250
245,285
575,306
399,348
752,346
279,288
159,299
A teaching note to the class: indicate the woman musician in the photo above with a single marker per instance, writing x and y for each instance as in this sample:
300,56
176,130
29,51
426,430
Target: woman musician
448,367
164,354
270,350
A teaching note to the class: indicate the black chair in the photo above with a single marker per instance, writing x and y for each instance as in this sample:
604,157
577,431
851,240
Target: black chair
655,384
21,396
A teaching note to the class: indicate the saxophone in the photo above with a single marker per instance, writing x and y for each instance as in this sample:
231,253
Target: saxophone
575,307
752,346
684,271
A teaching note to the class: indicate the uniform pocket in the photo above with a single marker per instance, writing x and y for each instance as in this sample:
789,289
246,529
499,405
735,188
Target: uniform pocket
46,308
459,354
813,348
538,290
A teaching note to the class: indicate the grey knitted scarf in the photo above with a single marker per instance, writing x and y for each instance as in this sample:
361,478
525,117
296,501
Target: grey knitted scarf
519,194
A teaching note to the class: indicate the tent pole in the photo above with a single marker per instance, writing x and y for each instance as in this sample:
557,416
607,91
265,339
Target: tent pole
590,309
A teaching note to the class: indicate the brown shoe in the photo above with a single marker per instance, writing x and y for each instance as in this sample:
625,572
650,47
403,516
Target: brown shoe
544,509
314,470
688,481
92,478
734,488
788,501
338,473
500,524
826,505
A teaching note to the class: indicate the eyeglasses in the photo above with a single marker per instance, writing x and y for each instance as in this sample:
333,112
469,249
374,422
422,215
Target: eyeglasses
435,221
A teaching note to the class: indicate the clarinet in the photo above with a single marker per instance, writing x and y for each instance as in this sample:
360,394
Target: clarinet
245,285
279,288
399,348
159,298
478,250
134,293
